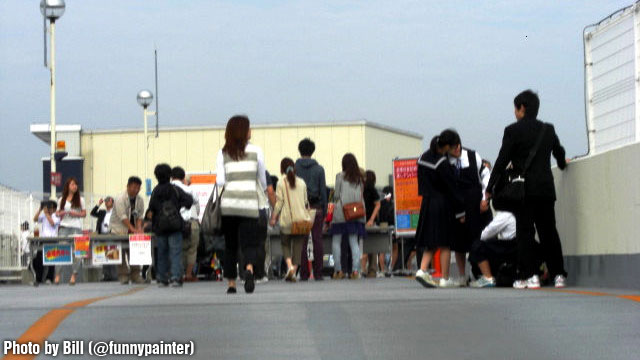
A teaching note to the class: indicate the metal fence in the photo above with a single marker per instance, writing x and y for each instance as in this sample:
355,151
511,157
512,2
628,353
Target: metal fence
16,207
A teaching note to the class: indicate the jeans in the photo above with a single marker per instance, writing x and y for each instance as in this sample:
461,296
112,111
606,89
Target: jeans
77,263
355,251
169,254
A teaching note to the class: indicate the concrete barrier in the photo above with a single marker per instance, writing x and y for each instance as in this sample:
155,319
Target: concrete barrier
598,217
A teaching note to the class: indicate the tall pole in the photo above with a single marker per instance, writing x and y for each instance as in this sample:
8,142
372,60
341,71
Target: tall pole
52,160
146,149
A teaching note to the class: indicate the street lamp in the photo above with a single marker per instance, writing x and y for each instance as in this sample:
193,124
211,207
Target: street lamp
145,98
52,10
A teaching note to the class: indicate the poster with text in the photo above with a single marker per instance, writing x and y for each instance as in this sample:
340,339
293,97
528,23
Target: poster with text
82,246
106,254
140,249
61,254
407,200
202,186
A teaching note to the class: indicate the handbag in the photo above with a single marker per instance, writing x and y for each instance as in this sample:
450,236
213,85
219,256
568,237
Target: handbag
513,191
212,217
302,227
354,211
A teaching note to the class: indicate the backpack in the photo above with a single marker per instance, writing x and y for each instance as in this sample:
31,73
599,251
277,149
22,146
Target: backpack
169,219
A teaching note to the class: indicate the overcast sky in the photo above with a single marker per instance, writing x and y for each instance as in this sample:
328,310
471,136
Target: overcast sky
416,65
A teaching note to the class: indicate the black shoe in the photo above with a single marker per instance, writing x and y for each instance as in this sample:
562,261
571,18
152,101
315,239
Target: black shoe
176,283
231,290
163,284
249,283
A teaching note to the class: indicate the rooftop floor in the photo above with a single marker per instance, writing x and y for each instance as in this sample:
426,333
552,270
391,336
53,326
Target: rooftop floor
363,319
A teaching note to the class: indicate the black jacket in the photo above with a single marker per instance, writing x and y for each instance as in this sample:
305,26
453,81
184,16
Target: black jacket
518,140
100,214
163,192
313,175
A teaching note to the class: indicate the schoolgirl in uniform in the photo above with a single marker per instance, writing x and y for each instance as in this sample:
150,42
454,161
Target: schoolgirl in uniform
442,206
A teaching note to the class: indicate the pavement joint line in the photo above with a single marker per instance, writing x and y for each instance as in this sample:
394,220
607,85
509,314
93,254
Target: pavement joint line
49,322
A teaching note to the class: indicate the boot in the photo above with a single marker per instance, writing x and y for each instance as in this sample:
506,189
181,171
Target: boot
189,277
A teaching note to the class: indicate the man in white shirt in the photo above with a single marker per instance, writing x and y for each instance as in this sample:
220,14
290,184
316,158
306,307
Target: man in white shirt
496,246
49,224
191,234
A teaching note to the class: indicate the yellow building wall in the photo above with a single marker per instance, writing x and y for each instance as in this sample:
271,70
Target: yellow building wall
111,157
383,146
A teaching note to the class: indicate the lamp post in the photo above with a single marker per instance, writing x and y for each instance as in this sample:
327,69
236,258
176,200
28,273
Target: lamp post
145,98
52,10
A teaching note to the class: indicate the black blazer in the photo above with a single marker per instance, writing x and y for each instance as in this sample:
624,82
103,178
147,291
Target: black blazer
518,140
100,215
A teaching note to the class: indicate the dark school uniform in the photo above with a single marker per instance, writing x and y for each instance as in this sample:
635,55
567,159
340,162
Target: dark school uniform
442,204
469,184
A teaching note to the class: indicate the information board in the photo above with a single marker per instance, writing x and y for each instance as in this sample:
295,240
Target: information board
407,200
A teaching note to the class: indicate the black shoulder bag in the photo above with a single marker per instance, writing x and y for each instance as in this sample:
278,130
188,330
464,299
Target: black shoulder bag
512,192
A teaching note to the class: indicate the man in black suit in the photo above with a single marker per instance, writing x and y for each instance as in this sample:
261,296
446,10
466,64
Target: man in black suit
102,226
538,207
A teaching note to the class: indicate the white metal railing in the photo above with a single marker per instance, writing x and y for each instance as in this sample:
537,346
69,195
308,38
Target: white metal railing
17,207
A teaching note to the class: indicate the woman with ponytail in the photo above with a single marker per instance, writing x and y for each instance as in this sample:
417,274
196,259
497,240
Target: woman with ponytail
442,205
292,206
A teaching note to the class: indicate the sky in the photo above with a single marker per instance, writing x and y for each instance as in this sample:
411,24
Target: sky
418,65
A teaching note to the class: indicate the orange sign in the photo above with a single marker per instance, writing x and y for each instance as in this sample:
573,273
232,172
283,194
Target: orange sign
407,200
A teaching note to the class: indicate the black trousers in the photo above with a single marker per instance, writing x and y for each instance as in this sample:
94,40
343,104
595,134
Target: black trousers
538,214
239,232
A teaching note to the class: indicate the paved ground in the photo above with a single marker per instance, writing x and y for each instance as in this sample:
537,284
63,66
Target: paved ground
365,319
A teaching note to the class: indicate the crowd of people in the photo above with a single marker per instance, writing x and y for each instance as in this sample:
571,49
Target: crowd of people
461,211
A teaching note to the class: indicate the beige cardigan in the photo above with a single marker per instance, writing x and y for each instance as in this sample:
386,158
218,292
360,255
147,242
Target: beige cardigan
299,203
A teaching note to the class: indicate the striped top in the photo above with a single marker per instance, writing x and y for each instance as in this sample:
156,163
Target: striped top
239,179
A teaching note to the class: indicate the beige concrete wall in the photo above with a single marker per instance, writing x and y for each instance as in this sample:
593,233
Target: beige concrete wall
111,157
382,147
598,208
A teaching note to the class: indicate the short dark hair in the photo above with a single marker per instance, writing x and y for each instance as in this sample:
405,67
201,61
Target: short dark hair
306,147
134,180
178,173
162,173
447,137
531,103
370,178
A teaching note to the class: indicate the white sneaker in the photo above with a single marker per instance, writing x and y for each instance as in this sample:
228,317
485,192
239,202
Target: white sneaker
425,279
483,282
462,282
560,281
448,283
263,280
520,284
533,282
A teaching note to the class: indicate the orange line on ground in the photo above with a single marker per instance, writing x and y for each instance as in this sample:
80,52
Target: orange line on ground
47,324
592,293
630,297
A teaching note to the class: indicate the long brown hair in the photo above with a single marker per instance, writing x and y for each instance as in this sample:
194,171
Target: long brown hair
75,201
289,168
351,169
236,136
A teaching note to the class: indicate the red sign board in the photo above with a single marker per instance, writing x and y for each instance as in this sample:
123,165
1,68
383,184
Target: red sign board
56,179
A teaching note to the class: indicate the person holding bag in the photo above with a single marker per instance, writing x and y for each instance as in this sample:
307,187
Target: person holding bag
240,166
348,214
295,218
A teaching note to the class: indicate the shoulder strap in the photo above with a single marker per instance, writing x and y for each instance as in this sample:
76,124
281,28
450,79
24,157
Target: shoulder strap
286,187
534,150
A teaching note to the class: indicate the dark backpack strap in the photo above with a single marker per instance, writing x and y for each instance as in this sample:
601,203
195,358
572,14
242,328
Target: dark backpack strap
534,150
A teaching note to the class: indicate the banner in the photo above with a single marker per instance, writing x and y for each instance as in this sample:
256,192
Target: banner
106,254
202,186
407,200
140,249
82,246
60,254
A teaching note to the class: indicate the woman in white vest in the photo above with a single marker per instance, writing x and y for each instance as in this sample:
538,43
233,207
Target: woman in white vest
240,167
